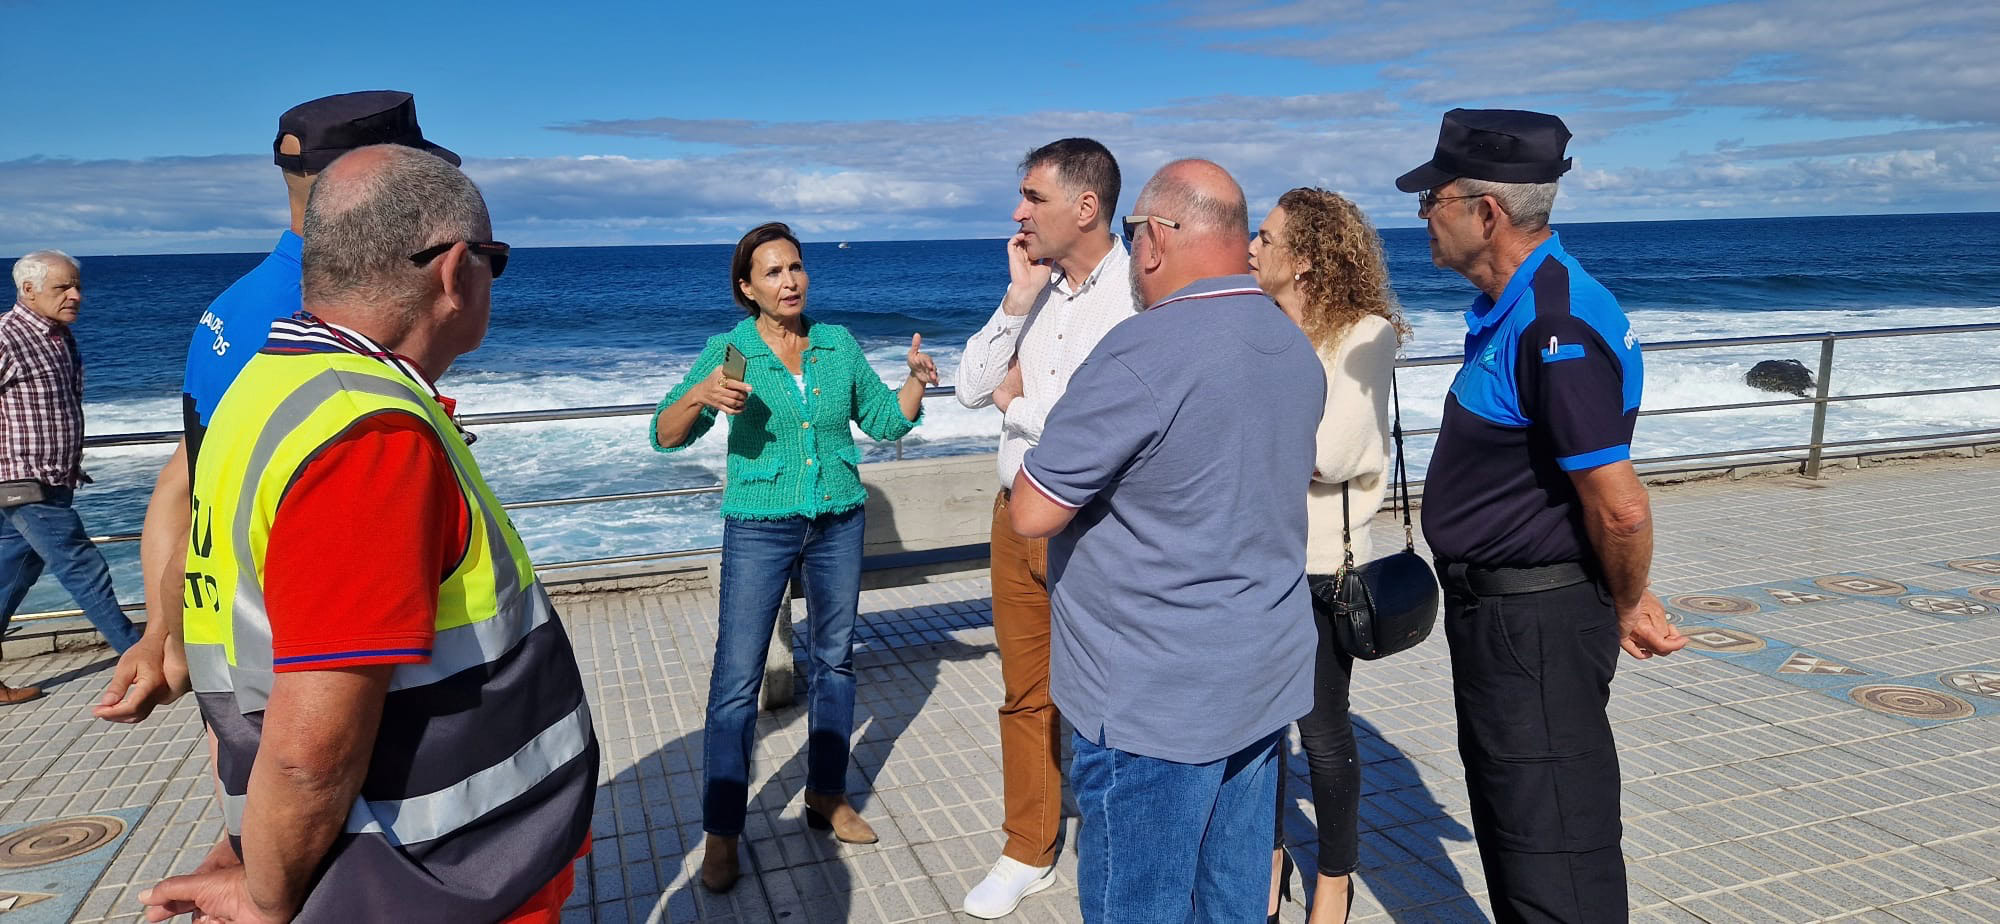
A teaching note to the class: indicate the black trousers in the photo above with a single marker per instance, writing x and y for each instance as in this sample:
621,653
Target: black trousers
1328,737
1531,675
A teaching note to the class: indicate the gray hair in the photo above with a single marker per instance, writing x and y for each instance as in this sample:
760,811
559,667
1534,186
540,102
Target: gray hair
1170,196
362,225
1527,204
33,269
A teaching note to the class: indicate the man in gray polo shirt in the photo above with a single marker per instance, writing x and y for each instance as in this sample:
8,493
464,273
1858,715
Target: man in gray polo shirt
1171,476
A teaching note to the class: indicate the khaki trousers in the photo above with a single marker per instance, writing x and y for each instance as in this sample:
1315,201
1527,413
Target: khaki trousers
1030,726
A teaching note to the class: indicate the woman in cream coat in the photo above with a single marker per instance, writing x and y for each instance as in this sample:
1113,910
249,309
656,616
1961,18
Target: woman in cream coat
1320,260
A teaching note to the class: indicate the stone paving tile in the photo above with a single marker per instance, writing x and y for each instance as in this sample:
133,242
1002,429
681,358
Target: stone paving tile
1748,797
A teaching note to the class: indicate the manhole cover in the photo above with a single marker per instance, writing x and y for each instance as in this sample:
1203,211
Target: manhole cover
1861,584
54,841
1910,702
1946,606
1975,565
1989,593
1979,683
1717,638
1714,604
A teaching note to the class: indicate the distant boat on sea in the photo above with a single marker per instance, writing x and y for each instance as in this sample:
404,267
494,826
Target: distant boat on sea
843,245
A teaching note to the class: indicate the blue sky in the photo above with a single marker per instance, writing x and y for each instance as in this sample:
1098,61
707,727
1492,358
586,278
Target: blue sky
146,129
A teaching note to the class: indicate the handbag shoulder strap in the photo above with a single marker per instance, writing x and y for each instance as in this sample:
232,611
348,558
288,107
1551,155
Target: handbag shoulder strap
1402,487
1399,493
1403,473
1346,536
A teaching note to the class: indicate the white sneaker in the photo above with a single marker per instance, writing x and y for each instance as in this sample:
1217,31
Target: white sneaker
1001,891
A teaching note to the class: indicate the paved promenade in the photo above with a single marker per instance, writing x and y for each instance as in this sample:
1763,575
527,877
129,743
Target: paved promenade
1828,748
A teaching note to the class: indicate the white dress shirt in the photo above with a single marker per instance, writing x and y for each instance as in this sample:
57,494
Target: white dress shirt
1052,339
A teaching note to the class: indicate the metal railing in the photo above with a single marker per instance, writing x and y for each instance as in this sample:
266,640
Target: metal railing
1813,449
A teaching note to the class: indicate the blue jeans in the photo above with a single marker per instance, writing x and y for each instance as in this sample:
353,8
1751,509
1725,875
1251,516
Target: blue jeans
1169,842
51,533
757,557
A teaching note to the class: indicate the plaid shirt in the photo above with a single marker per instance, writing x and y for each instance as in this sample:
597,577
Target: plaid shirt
41,401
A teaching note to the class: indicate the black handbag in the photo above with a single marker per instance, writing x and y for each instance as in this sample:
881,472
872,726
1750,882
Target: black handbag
1389,604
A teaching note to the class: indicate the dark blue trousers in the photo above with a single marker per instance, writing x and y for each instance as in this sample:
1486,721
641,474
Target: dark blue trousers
1531,676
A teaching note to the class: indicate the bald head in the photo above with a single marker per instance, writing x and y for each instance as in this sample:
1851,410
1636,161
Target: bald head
373,208
1213,237
1200,195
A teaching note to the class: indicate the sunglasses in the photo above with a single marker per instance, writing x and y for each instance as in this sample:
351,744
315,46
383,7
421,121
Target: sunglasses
1134,222
494,251
1429,198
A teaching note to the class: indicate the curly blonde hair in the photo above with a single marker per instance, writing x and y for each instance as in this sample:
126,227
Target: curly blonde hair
1349,276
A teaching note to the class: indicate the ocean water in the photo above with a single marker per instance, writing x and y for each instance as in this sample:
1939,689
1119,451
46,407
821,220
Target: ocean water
620,325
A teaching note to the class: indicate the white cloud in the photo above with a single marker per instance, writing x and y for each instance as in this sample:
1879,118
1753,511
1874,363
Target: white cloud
1858,59
1920,73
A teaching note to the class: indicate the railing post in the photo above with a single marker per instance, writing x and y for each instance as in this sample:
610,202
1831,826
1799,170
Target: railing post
899,450
1819,405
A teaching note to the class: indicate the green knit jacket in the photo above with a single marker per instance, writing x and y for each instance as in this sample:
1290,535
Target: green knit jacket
792,454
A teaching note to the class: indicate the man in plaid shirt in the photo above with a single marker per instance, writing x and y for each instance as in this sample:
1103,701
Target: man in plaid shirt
41,452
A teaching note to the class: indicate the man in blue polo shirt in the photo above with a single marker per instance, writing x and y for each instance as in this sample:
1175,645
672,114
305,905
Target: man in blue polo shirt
1182,639
1542,531
311,136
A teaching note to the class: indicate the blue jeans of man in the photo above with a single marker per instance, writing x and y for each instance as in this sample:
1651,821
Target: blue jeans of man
757,558
49,533
1164,842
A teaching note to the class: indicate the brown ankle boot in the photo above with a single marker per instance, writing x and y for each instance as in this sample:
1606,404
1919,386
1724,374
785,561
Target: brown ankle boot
720,867
833,813
11,695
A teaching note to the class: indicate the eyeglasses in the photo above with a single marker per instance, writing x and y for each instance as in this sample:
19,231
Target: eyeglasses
1428,200
494,251
1134,222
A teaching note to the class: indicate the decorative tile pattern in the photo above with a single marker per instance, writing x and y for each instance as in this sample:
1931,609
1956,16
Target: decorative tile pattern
1712,604
1722,639
1860,584
1910,702
1945,607
1974,682
47,867
56,841
1802,663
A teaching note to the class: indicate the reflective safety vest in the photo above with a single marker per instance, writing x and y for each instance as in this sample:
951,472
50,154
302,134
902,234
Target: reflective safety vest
480,787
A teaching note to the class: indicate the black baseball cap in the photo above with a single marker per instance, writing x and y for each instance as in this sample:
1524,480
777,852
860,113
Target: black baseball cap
334,125
1498,145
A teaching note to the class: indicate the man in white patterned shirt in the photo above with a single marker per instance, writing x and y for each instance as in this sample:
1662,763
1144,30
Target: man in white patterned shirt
1068,286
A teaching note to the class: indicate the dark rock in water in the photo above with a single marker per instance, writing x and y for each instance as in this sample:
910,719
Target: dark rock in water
1785,375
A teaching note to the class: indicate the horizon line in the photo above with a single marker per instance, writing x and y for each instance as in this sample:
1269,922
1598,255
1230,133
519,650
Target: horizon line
913,240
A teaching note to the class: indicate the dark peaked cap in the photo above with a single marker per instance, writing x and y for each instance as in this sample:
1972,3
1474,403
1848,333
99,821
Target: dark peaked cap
334,125
1498,145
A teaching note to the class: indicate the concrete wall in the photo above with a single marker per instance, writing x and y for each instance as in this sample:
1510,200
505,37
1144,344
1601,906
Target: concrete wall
922,504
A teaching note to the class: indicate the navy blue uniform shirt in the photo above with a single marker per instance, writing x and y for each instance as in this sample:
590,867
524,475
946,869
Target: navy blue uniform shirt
1550,385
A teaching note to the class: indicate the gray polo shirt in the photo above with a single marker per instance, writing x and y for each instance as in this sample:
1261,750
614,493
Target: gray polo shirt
1182,626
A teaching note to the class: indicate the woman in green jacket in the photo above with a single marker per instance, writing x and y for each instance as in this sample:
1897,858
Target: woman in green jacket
793,499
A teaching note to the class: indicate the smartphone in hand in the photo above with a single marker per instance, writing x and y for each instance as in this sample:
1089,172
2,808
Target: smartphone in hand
732,363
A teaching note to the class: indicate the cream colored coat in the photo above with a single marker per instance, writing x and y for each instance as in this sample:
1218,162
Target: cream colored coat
1352,443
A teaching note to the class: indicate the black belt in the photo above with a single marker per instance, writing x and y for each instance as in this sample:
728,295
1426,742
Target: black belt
1497,582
